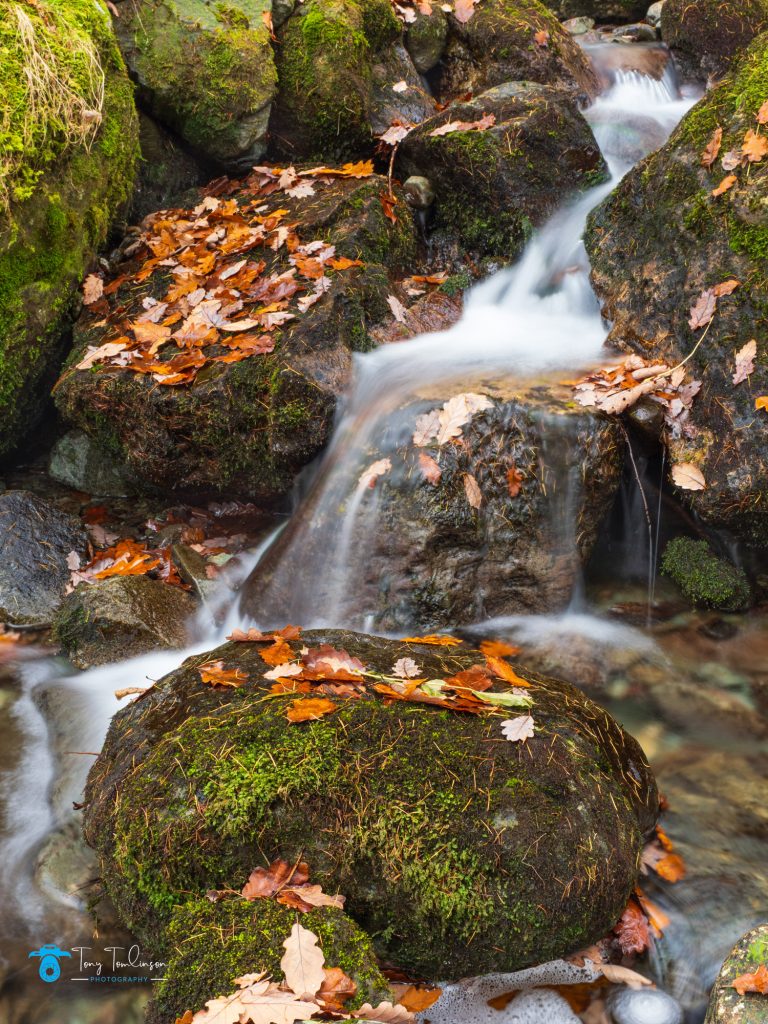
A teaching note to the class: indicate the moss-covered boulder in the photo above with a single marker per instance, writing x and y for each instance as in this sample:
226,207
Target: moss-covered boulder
656,244
513,41
601,10
705,579
494,186
706,36
208,945
203,69
335,65
245,428
426,37
419,548
726,1006
67,153
119,618
458,851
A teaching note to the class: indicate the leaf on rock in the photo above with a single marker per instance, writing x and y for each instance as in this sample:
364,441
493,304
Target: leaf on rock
712,148
518,730
214,673
328,659
434,640
376,469
336,989
761,402
754,982
727,183
624,976
505,700
406,668
398,309
472,491
481,125
514,481
388,203
671,867
755,146
302,962
416,998
504,670
265,882
309,709
311,896
703,309
429,469
93,289
386,1013
745,361
726,287
762,114
498,648
279,653
688,477
102,353
541,38
284,671
632,930
463,10
427,427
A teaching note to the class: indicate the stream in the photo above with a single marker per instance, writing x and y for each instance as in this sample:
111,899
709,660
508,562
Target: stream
680,681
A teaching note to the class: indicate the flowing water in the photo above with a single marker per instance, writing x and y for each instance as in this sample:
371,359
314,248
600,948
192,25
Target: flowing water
529,321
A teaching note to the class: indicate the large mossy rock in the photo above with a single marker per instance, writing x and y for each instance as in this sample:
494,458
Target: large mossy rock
69,146
600,10
205,70
513,41
656,244
493,187
726,1006
337,61
409,552
706,35
246,428
458,851
208,945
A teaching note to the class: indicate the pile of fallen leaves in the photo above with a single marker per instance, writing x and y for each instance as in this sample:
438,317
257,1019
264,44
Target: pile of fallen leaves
318,674
406,10
217,302
753,149
125,558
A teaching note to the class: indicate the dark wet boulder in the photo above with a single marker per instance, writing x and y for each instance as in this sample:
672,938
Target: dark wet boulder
660,241
204,70
458,851
69,149
601,10
707,35
512,41
422,547
726,1006
35,539
77,462
493,186
119,618
337,61
244,429
426,37
211,944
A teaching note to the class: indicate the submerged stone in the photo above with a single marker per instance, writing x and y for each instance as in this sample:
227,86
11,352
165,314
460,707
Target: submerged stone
458,851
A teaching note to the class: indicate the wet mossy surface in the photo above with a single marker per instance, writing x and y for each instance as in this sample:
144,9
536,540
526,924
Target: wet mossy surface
63,199
656,244
457,851
726,1006
706,580
209,945
707,36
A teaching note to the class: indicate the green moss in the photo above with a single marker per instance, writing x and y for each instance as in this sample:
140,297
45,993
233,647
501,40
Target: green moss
704,578
457,283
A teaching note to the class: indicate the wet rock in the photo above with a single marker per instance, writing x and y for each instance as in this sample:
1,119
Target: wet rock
35,539
684,240
66,867
653,14
517,172
65,178
419,192
498,45
213,943
281,11
435,311
601,10
422,553
438,862
707,36
638,33
193,569
168,171
579,26
245,429
726,1006
643,1006
119,618
412,104
79,463
203,70
425,38
705,579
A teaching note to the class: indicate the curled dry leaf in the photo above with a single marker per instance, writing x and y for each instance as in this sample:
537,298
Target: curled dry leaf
309,709
481,125
472,491
712,148
314,896
127,690
727,183
429,469
398,309
302,963
336,989
632,930
517,730
514,481
503,670
386,1013
745,361
329,659
624,976
756,981
688,477
670,867
265,882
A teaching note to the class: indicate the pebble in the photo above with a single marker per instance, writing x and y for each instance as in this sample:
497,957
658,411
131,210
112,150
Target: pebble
643,1006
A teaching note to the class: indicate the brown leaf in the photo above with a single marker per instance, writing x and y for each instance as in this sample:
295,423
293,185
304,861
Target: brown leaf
671,867
433,639
755,982
761,403
703,309
472,491
762,114
302,963
624,976
336,989
712,148
215,674
313,896
417,998
93,289
726,287
309,709
332,661
388,203
755,146
265,882
688,477
482,124
476,677
541,38
632,930
386,1013
745,361
252,636
504,671
429,469
279,653
728,182
498,648
514,481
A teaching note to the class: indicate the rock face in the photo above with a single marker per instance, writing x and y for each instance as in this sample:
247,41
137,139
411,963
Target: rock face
167,171
79,463
600,10
204,70
59,190
35,539
516,172
337,61
245,428
529,854
120,618
513,41
726,1006
419,553
707,35
656,244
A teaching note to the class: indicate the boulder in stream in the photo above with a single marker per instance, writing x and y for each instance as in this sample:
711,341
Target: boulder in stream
708,35
494,186
69,148
601,10
657,244
459,851
726,1006
35,540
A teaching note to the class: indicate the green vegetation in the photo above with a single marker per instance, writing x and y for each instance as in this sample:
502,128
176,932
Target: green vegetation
705,579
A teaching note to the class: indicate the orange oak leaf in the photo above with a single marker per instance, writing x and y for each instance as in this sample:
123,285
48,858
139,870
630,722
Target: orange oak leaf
712,148
436,641
728,182
309,709
504,671
278,653
214,673
755,982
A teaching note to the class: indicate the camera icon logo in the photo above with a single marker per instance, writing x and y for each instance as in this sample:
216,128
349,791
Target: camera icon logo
50,968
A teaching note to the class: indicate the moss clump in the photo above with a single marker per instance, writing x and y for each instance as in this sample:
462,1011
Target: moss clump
704,578
64,191
406,810
209,945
